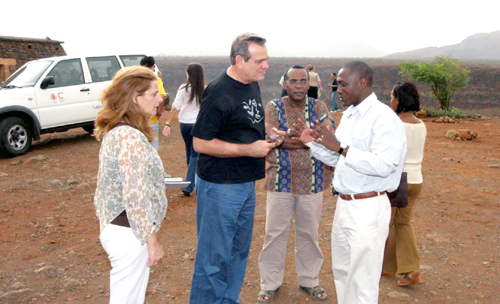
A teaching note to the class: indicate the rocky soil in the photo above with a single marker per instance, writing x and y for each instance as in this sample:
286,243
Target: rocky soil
50,250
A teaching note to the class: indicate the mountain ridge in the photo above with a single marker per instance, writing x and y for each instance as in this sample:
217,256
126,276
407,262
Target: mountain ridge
477,46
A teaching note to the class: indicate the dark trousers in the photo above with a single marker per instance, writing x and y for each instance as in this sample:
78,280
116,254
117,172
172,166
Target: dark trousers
191,155
313,92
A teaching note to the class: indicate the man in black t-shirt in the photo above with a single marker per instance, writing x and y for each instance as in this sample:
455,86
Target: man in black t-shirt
229,135
334,106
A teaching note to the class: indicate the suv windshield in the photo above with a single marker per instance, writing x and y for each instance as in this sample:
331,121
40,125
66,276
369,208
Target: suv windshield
27,75
130,60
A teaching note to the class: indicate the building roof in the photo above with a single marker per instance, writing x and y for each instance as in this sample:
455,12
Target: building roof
24,39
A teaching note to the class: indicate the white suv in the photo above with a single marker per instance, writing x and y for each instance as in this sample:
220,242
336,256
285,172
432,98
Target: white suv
54,95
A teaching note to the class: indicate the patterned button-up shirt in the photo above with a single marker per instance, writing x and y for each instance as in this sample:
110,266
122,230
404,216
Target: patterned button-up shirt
295,171
131,178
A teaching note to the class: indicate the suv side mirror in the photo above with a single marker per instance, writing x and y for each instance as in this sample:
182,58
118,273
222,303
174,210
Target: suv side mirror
49,80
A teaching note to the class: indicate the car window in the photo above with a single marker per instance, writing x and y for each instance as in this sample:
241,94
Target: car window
27,75
103,68
130,60
67,73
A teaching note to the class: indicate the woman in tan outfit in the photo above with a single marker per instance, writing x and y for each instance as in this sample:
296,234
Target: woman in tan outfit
314,83
401,254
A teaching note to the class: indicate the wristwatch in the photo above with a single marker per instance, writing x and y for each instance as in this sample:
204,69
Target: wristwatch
342,147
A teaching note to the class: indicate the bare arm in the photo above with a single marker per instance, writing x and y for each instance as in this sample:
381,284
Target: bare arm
219,148
171,115
319,84
161,107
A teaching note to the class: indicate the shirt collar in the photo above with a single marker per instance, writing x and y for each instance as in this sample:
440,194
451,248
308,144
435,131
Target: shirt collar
363,107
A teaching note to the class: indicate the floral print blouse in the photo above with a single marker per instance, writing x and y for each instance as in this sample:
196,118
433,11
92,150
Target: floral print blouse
131,178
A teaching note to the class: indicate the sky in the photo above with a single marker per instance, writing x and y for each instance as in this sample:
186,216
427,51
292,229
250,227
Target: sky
317,28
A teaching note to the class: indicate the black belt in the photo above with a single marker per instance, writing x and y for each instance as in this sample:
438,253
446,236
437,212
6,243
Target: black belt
121,220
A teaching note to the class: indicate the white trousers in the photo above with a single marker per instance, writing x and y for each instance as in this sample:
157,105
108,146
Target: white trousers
280,209
360,229
128,278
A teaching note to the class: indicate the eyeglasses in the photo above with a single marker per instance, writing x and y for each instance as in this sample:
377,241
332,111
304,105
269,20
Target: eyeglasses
295,82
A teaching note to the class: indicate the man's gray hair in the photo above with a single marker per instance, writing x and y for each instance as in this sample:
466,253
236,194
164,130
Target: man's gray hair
241,43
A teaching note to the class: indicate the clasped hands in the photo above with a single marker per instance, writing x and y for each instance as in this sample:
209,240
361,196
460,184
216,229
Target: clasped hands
321,133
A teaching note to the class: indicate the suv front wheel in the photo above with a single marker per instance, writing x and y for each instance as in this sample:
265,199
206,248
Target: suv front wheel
15,136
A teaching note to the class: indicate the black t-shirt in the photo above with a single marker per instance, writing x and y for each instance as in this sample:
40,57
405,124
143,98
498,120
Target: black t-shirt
334,83
230,111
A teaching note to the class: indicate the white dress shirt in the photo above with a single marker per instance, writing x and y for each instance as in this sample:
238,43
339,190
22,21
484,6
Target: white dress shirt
377,149
188,110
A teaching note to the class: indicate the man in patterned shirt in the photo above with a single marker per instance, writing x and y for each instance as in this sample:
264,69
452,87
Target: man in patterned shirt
295,183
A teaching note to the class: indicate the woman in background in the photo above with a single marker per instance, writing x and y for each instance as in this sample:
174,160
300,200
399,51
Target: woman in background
401,253
187,104
130,197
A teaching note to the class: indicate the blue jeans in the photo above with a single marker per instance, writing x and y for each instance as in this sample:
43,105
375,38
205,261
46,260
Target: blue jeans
155,127
224,218
191,155
334,106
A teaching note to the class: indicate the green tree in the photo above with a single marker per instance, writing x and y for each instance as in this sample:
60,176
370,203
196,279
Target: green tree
445,76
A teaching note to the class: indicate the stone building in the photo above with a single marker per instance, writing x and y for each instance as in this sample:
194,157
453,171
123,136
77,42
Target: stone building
16,51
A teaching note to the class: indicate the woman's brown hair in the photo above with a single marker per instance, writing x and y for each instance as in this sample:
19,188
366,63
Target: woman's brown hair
118,104
195,81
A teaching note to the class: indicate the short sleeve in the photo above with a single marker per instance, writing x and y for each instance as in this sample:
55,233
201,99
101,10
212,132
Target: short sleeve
210,118
272,115
180,98
161,89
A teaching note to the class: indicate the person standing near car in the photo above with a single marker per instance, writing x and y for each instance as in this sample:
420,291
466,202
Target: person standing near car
130,197
149,62
229,135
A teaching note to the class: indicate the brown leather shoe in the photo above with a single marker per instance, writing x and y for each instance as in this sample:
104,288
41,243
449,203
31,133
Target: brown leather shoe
412,278
388,274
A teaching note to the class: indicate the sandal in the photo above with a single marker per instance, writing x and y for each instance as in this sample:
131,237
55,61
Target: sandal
315,292
267,293
412,278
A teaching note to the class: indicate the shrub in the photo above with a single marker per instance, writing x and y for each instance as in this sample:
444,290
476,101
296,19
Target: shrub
445,76
450,112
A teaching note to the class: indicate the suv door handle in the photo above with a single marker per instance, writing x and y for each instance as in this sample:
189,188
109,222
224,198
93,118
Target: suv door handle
84,90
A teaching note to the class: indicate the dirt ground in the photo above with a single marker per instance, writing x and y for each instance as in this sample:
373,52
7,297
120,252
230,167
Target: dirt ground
50,250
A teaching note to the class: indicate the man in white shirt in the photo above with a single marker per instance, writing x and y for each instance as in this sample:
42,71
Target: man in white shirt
368,150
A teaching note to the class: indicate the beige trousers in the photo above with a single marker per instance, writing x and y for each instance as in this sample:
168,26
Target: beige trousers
308,256
401,253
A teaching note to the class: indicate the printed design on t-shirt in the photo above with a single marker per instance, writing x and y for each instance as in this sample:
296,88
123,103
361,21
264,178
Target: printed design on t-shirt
252,108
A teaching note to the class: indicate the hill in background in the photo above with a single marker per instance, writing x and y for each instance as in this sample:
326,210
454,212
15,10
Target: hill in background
478,46
482,95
